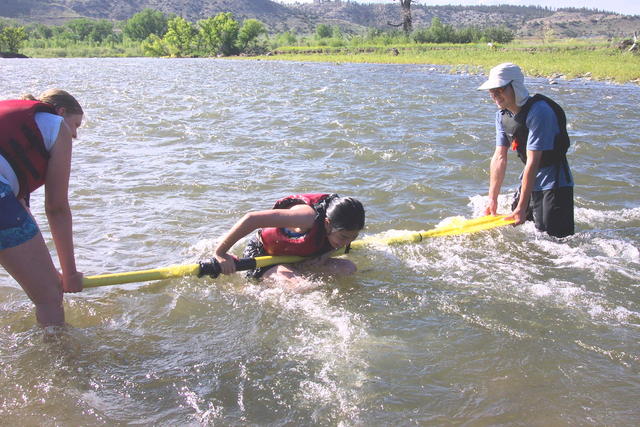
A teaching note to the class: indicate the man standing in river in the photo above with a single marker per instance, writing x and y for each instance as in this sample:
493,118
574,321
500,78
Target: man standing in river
535,127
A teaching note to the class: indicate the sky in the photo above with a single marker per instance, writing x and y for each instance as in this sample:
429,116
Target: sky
628,7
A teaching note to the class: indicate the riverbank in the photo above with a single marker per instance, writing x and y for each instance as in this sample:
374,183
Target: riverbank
590,60
595,59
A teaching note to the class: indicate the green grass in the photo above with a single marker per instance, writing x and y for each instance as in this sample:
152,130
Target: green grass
597,59
41,49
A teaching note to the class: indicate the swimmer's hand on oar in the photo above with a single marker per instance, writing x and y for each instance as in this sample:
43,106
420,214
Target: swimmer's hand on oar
226,263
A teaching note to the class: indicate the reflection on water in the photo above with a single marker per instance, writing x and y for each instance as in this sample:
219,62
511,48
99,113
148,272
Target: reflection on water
503,327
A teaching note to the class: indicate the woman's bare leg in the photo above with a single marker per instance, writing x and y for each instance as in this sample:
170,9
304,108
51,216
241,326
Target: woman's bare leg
31,266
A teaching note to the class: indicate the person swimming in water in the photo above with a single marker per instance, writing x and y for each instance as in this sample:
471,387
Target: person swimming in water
310,225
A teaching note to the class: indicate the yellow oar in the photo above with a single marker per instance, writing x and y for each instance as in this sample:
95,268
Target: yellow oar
203,268
142,275
454,227
211,268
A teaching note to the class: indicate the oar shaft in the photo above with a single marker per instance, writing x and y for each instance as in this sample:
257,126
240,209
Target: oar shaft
204,268
141,275
212,269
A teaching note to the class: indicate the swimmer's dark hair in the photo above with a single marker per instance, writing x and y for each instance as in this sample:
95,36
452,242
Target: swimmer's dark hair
345,213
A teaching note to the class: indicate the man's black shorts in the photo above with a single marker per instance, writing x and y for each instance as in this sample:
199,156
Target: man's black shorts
553,211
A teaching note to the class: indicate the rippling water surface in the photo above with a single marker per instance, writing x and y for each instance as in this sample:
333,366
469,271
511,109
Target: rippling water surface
506,327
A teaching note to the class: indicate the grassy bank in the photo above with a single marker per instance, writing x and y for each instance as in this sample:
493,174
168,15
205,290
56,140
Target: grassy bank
594,59
597,60
41,49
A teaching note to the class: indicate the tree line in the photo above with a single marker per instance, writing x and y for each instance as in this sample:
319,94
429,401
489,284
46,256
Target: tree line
157,34
437,32
444,33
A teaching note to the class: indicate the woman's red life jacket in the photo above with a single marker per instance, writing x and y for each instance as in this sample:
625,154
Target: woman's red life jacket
21,143
313,242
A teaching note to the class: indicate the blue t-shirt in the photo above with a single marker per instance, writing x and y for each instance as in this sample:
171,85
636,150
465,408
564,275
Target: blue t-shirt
543,128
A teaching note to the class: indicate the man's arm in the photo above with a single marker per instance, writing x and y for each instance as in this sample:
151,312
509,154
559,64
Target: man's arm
496,177
519,214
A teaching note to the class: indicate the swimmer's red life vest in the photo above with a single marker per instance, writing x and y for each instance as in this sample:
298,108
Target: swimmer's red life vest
515,127
21,143
313,242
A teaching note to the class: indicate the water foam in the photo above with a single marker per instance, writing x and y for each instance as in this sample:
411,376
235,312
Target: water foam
610,218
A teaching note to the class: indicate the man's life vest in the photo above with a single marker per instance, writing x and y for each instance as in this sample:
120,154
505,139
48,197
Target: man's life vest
313,242
21,143
517,131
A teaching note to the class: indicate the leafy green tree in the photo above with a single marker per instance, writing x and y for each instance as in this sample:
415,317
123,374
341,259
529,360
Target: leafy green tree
468,35
58,30
84,29
143,24
155,46
39,31
228,29
180,37
208,37
440,32
219,34
79,28
286,39
102,30
498,35
12,38
249,32
323,31
112,39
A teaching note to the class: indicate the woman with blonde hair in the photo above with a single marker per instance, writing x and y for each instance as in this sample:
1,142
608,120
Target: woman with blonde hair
35,149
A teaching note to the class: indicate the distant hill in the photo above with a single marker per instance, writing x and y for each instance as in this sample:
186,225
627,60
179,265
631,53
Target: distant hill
525,21
277,16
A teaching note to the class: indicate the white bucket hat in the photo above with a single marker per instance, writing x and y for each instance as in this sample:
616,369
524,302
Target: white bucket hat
503,74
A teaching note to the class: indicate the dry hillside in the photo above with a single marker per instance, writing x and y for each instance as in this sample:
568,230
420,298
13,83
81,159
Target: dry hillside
525,21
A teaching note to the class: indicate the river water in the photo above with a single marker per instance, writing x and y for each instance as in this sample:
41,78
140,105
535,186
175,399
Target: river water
505,327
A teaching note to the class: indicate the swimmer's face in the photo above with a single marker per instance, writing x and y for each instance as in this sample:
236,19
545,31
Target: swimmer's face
340,238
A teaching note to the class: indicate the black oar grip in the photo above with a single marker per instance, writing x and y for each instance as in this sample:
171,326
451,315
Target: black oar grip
244,264
211,268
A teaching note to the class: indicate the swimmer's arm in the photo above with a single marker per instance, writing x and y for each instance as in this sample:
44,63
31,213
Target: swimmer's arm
291,218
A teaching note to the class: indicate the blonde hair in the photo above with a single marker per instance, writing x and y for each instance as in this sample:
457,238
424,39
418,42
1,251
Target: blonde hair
59,99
